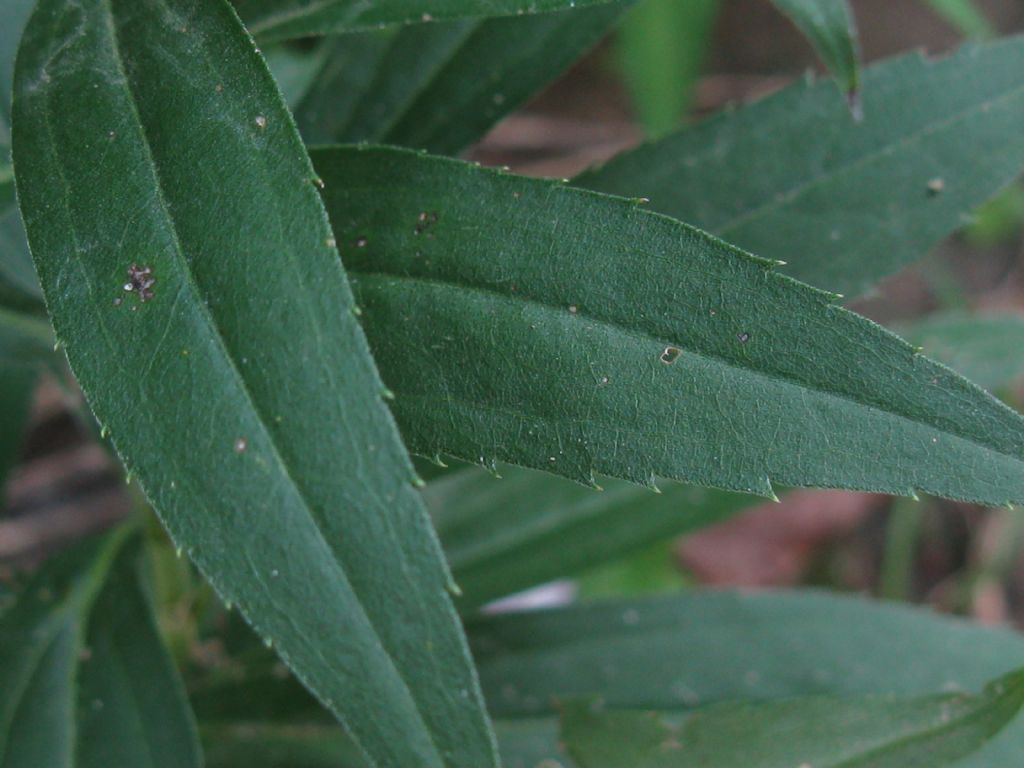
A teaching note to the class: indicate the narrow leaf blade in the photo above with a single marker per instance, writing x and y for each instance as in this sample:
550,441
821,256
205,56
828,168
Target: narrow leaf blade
240,393
39,652
661,48
131,703
829,26
283,19
862,200
522,321
826,732
441,87
503,535
86,679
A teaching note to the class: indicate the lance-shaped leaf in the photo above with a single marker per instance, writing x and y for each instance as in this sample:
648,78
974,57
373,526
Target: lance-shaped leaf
881,732
661,48
523,321
829,25
283,19
232,374
442,86
86,682
675,654
965,16
846,204
502,535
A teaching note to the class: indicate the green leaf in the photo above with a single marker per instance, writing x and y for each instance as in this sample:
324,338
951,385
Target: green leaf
859,200
283,19
241,394
675,654
519,320
19,288
524,744
680,652
295,66
17,383
38,654
15,14
504,535
829,25
131,704
25,338
984,348
965,17
661,48
880,732
84,678
442,86
268,745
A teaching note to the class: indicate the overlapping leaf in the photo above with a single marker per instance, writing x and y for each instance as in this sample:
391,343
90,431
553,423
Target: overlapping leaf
675,654
661,48
233,376
441,86
84,679
522,321
846,204
526,528
283,19
881,732
829,25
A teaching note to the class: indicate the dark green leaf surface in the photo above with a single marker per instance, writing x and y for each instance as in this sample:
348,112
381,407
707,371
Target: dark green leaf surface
25,338
987,349
524,744
242,395
442,86
131,704
523,321
283,19
846,204
84,679
880,732
829,26
526,528
678,653
19,288
38,654
17,383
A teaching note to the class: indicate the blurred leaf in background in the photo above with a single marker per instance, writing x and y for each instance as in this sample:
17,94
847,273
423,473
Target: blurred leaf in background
661,47
965,16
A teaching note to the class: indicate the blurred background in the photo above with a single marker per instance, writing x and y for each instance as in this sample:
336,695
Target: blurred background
959,558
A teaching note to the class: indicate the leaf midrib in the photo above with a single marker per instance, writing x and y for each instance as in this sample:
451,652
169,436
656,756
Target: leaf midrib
204,313
645,336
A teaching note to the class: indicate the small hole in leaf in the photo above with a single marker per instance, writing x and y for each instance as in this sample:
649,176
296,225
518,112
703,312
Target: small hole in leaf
670,355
